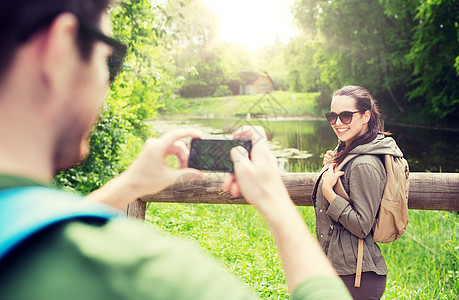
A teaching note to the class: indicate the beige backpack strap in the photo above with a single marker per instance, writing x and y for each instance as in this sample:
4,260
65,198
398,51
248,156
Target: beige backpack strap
314,190
339,188
358,273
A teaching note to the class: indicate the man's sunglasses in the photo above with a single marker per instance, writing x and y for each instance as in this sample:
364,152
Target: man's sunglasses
344,116
114,61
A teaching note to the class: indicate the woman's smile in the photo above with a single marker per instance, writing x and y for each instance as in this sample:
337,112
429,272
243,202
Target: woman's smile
342,130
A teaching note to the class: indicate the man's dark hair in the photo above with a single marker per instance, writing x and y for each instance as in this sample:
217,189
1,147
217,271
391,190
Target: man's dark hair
21,19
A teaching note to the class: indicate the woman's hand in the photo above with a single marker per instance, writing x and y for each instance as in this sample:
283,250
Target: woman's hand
330,177
328,156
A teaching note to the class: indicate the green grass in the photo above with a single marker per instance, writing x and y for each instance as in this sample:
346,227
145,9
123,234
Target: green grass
423,264
304,104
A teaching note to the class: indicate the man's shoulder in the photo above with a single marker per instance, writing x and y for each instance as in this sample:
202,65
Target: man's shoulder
122,257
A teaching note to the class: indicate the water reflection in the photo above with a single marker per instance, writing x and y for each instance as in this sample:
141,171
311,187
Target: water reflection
300,144
431,150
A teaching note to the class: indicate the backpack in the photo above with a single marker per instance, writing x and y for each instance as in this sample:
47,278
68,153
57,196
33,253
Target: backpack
27,210
392,218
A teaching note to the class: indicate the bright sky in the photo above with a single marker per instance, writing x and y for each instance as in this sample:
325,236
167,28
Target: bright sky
255,23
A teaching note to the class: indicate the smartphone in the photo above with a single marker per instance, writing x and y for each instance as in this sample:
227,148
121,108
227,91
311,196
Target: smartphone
214,154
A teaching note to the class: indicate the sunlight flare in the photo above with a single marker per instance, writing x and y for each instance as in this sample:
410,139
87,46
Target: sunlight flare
254,23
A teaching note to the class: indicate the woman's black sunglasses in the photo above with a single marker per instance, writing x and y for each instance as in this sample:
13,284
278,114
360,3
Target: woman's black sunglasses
114,61
344,116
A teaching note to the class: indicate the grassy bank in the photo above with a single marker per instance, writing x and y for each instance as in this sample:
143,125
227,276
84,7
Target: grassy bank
279,103
423,264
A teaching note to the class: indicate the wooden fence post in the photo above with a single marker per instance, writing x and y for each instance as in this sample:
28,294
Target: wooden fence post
136,209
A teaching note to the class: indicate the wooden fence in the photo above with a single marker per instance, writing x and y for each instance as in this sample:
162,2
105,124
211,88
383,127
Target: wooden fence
429,191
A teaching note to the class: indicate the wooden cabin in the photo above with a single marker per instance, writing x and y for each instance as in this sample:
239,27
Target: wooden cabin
260,84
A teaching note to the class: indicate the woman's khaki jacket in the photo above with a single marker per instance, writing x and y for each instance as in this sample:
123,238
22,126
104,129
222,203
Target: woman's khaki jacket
339,225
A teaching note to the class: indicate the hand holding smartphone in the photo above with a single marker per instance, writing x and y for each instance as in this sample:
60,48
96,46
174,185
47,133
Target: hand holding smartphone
214,154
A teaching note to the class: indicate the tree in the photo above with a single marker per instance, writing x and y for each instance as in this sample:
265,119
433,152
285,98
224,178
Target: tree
133,97
196,53
361,37
399,49
434,55
303,72
207,79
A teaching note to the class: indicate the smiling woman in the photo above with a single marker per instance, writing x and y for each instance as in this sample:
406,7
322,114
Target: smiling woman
254,23
356,121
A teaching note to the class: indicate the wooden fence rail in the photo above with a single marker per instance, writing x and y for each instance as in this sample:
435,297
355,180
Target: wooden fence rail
429,191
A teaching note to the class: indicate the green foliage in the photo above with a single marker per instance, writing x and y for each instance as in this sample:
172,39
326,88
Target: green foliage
133,98
197,56
303,72
222,90
433,54
400,50
272,59
104,160
208,77
236,58
138,88
353,41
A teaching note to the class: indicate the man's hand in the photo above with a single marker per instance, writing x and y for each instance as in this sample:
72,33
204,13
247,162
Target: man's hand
257,179
149,174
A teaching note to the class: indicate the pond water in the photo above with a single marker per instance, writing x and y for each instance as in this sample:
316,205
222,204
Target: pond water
300,144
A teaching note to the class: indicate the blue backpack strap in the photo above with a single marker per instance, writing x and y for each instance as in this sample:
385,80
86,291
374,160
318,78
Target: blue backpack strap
27,210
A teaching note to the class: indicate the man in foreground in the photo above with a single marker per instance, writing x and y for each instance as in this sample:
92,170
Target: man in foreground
53,79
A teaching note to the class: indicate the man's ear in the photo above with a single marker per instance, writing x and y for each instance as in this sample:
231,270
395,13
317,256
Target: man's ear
59,53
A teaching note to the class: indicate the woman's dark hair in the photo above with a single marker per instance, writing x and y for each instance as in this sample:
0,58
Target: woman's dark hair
363,101
21,19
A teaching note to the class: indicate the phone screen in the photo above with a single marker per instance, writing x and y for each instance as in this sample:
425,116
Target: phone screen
214,154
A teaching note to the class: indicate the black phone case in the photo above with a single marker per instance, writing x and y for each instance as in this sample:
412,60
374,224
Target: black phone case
214,154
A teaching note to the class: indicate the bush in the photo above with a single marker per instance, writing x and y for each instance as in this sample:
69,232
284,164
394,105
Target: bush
104,159
222,90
